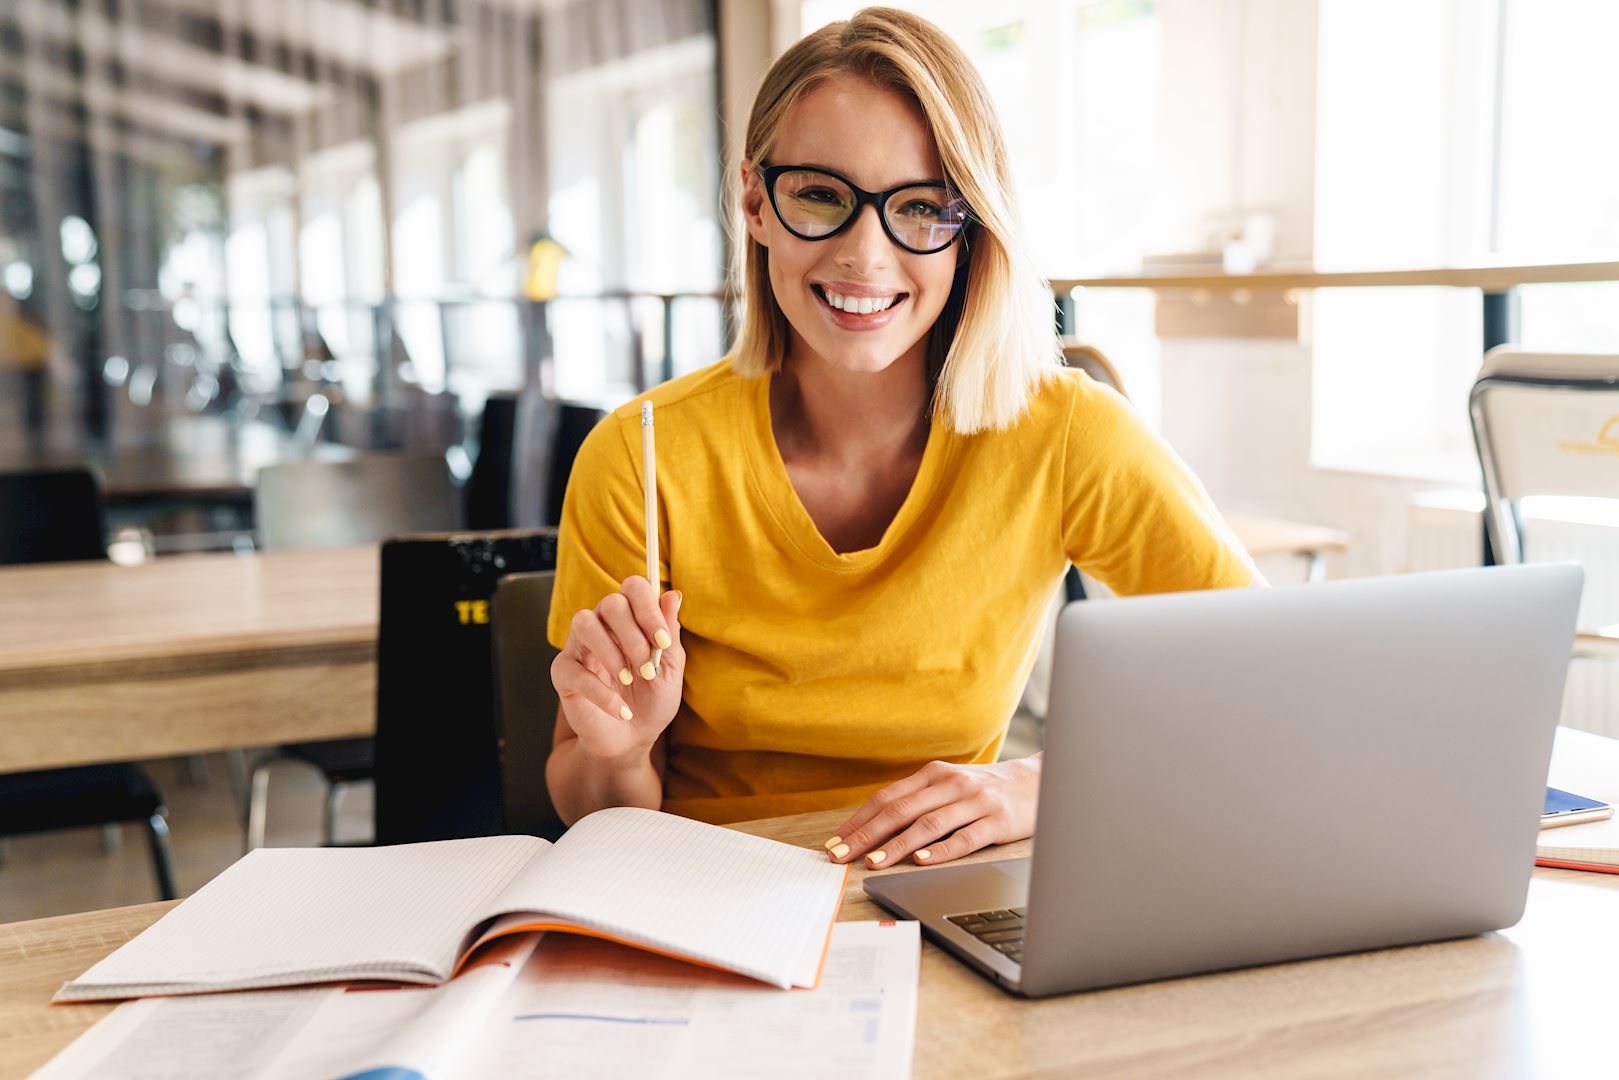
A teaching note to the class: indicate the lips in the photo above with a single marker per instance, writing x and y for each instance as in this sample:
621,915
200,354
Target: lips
859,320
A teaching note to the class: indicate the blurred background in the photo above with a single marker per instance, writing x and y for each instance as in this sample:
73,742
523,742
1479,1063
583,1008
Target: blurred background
238,235
226,225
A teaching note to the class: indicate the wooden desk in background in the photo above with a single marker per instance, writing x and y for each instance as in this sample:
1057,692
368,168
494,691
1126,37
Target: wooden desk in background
1534,1000
185,655
183,460
1210,302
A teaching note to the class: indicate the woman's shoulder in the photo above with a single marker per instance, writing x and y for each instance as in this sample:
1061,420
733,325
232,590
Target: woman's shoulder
1067,403
710,389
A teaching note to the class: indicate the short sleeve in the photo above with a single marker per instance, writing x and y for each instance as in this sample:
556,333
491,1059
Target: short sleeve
602,539
1134,516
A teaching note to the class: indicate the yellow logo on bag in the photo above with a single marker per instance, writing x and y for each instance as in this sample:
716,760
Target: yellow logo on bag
1607,440
472,611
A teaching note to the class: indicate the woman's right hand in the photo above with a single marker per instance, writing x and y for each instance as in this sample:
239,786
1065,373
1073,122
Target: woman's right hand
601,676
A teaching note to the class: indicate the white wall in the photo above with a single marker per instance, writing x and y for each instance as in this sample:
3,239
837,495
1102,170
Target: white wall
1237,130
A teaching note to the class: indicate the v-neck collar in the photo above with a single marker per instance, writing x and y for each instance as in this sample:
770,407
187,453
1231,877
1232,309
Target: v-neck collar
775,486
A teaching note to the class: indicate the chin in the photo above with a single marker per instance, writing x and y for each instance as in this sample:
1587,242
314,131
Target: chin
864,361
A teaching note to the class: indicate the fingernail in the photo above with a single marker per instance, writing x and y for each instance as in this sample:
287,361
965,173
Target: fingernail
841,851
662,638
877,858
832,843
924,855
625,677
679,596
648,671
624,711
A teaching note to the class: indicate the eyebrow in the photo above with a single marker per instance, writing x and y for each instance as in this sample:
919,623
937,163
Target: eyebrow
839,172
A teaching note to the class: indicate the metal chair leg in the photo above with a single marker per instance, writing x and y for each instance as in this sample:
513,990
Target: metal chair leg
236,775
162,859
258,804
334,795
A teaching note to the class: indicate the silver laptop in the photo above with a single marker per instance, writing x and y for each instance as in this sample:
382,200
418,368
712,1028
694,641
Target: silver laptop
1238,778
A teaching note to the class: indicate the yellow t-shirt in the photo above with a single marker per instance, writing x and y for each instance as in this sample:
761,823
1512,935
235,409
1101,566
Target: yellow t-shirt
813,678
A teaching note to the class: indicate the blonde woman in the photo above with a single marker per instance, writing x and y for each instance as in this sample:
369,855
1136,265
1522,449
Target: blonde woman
866,507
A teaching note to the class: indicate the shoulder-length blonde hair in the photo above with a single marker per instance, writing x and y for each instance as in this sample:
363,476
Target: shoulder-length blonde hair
994,342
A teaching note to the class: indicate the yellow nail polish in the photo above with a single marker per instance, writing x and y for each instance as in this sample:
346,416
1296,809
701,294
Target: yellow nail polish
625,677
924,855
662,638
877,858
832,843
624,711
840,851
648,671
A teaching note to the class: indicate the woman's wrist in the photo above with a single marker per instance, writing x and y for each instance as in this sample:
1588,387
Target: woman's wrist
620,760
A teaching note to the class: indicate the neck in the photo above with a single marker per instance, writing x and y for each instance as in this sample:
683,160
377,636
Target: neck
850,417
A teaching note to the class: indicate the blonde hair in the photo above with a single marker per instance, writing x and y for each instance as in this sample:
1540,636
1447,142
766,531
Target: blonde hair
994,343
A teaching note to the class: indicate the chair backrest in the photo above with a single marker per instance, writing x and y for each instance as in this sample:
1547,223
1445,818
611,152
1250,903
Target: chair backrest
489,488
526,447
525,701
438,773
1543,424
313,504
1090,360
52,515
574,422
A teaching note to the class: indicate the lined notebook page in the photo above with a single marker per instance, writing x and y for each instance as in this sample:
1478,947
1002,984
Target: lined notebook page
751,905
285,916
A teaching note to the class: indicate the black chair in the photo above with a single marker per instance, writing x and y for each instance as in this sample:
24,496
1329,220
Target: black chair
489,488
51,515
526,447
525,702
59,515
574,422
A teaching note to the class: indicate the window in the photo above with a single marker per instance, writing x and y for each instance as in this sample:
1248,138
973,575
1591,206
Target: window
1450,133
633,201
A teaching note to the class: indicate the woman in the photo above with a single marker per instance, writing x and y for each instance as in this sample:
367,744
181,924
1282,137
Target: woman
866,507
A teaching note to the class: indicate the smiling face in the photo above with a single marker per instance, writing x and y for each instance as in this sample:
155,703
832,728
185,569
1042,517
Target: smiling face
856,301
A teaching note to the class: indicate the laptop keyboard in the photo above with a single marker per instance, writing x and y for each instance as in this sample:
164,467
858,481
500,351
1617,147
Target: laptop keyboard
1001,929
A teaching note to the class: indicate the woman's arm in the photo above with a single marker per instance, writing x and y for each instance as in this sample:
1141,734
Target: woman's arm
579,783
614,704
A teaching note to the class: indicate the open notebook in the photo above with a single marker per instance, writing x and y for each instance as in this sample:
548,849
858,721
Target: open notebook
413,913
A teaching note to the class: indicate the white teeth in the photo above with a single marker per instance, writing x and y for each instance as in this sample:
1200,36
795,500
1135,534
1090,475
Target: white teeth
859,305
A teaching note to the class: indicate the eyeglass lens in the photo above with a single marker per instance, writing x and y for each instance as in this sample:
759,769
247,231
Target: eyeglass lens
924,218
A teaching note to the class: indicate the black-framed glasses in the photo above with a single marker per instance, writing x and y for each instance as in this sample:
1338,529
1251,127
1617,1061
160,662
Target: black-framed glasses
923,217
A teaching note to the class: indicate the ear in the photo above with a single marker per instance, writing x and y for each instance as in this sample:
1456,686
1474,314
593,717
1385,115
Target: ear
753,202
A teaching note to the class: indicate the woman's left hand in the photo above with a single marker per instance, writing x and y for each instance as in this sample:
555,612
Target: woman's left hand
942,812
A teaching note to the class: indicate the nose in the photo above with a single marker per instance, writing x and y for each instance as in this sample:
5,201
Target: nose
865,247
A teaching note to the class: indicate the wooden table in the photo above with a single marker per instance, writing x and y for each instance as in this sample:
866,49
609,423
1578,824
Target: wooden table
1261,536
1537,999
1603,643
185,655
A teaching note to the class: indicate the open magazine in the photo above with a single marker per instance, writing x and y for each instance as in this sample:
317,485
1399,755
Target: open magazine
530,1007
